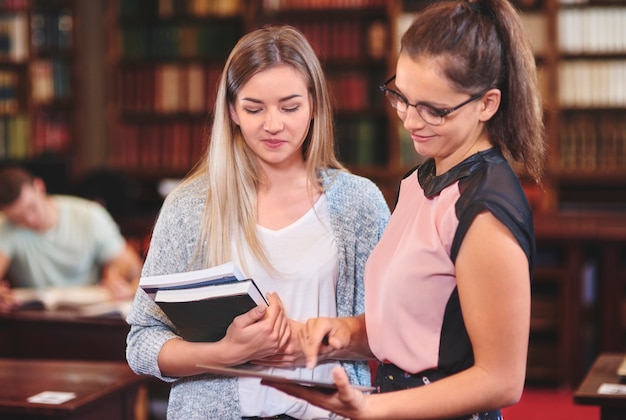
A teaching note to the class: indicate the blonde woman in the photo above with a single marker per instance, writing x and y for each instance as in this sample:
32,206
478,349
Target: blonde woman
271,196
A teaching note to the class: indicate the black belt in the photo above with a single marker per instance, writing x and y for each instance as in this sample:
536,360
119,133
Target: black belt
279,416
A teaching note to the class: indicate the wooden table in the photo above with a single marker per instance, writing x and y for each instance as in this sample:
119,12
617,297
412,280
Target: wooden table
43,334
61,335
612,406
103,390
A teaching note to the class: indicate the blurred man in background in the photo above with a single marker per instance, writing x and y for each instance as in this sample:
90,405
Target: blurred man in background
59,241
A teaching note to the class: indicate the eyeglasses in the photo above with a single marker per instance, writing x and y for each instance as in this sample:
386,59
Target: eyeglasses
429,114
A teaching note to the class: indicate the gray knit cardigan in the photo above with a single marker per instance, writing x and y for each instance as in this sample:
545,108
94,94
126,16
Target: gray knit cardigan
358,214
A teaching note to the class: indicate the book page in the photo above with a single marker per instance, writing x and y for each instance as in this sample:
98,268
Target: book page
87,301
63,297
227,270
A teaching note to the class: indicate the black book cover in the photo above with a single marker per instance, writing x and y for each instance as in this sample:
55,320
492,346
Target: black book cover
205,318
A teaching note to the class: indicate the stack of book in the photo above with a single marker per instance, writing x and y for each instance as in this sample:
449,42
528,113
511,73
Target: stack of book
202,304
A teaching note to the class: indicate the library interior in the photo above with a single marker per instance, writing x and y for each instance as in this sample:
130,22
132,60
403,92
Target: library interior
111,99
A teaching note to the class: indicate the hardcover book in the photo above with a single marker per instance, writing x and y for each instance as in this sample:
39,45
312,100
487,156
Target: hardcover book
222,273
203,303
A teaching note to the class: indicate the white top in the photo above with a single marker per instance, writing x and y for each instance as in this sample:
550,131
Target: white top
306,255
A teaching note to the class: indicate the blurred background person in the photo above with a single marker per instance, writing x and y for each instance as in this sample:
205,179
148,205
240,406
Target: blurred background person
58,241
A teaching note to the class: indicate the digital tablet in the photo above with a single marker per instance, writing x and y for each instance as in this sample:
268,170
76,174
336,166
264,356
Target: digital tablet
247,373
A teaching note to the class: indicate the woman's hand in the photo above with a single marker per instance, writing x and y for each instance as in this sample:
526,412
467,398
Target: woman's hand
333,338
346,401
259,333
322,339
290,355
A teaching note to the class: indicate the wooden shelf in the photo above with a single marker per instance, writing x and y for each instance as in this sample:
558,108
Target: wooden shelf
37,114
354,63
579,290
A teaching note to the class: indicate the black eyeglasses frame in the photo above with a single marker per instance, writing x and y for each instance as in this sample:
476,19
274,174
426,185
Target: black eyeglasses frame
442,113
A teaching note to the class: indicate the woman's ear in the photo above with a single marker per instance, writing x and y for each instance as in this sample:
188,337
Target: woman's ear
233,114
490,104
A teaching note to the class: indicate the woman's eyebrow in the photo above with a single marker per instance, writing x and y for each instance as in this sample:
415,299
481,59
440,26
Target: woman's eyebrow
286,98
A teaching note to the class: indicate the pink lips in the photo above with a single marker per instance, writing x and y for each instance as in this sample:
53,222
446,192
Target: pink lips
420,139
271,143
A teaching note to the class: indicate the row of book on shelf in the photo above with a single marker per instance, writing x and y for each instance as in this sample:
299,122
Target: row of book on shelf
592,83
14,5
362,140
9,91
592,30
592,142
50,133
176,146
322,4
202,8
51,30
335,40
346,39
169,8
169,40
50,80
355,90
14,136
190,88
165,146
167,88
14,37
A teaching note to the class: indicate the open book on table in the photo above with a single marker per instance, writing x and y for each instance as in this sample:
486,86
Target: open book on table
203,303
93,300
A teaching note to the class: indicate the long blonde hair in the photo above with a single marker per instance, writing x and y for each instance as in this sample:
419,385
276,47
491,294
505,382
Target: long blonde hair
230,166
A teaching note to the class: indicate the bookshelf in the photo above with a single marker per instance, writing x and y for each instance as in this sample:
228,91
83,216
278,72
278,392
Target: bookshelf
590,147
37,77
550,288
613,333
585,108
578,283
161,98
578,294
166,58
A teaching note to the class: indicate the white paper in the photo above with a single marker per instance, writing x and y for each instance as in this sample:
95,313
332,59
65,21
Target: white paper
52,397
614,389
